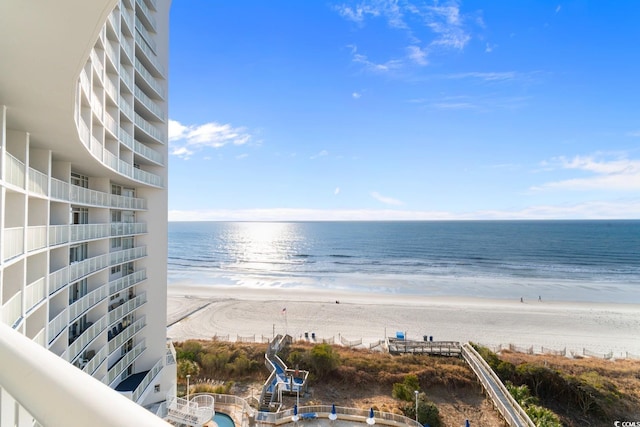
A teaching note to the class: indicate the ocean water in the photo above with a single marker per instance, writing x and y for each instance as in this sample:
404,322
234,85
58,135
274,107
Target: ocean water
562,260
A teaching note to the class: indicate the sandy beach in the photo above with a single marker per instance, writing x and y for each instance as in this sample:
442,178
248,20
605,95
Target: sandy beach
202,311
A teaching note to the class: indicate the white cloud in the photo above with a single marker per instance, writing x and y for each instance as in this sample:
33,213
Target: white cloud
619,174
386,200
487,76
441,24
614,209
489,47
336,191
356,95
242,156
185,140
392,64
558,8
322,153
417,55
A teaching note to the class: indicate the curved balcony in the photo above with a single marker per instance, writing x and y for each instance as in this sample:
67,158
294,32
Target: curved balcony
120,336
34,293
118,368
64,191
149,103
151,81
85,337
149,129
127,281
78,397
127,307
77,308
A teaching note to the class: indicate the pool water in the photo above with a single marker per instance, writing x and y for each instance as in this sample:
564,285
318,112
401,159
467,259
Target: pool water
223,420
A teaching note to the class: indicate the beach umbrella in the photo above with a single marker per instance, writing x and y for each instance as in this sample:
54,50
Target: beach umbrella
467,423
371,420
295,417
333,415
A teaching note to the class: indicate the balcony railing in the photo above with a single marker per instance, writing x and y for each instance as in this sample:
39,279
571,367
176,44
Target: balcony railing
40,338
149,54
65,275
85,338
126,108
36,237
147,36
127,307
151,81
127,47
12,309
85,84
38,182
147,380
127,281
127,16
122,364
34,293
140,5
96,106
123,336
83,131
58,324
15,173
114,20
83,196
148,153
13,242
95,362
149,103
150,129
86,302
111,54
111,124
73,396
111,88
97,64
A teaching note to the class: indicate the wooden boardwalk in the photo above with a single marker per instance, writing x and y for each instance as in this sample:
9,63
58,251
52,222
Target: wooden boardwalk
433,348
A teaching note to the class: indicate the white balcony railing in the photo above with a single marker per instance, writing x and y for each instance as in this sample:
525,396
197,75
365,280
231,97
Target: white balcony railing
151,81
111,54
95,362
34,293
73,396
12,309
126,108
38,182
13,242
149,103
127,281
150,129
111,124
40,338
85,83
148,153
36,237
111,88
147,380
140,5
147,36
127,307
85,338
15,173
86,302
83,131
123,336
97,64
58,324
122,364
149,54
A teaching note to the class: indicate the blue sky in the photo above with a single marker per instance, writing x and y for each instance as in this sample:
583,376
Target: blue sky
322,110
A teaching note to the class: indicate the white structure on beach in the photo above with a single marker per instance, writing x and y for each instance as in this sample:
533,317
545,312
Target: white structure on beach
83,210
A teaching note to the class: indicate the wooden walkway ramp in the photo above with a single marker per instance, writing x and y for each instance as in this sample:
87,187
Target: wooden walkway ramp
512,412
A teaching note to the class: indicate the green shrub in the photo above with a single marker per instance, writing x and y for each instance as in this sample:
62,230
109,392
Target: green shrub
323,359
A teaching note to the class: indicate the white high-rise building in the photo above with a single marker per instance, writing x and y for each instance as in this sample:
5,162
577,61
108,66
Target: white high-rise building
83,190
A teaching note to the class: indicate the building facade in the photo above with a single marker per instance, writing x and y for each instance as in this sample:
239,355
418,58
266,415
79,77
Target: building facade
83,189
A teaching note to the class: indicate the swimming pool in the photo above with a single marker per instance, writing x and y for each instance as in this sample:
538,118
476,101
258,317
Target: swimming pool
223,420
